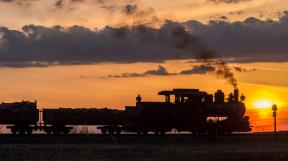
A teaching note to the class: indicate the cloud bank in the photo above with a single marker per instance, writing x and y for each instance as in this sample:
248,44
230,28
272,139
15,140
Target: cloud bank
196,69
228,1
82,45
248,41
160,71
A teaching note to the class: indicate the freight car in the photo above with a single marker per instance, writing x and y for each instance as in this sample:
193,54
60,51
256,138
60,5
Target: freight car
21,117
190,110
59,121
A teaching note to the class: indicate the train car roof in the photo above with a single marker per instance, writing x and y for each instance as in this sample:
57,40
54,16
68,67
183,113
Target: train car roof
179,91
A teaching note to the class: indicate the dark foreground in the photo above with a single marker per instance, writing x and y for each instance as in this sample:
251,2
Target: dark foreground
253,147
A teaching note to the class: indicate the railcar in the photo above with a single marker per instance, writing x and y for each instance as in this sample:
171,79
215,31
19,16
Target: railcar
61,120
21,117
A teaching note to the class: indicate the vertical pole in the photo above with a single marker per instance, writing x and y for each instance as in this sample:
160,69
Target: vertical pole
275,130
274,108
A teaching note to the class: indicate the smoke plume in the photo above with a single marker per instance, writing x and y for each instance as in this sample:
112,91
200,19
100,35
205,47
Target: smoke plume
224,71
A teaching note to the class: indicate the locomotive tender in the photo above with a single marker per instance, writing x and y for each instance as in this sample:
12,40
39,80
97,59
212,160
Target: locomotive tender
190,110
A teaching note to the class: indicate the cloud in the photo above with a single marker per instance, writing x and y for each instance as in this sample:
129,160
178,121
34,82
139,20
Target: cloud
240,69
160,71
199,69
77,1
59,3
18,1
125,44
249,40
130,9
7,1
228,1
126,75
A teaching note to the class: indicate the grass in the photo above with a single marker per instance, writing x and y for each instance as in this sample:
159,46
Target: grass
135,148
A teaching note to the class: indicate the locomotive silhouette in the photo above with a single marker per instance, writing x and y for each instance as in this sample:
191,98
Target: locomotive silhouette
189,110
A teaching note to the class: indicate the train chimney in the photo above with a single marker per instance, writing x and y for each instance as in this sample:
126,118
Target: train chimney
219,97
236,95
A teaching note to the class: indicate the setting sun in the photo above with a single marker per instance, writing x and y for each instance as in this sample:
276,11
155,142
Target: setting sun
263,104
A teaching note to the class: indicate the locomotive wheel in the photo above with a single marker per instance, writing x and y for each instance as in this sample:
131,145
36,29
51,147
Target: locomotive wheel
212,133
65,131
145,132
201,133
14,131
156,132
193,132
162,132
104,131
48,132
29,131
118,131
22,131
228,133
56,132
111,131
220,133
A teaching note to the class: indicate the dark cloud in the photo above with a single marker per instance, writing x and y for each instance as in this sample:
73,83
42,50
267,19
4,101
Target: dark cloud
77,1
220,70
110,8
19,2
59,3
240,69
160,71
130,9
125,44
199,69
126,75
228,1
8,1
250,40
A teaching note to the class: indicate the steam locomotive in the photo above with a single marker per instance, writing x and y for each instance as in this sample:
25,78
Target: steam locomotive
188,110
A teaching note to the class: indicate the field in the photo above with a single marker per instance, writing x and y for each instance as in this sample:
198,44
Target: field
256,147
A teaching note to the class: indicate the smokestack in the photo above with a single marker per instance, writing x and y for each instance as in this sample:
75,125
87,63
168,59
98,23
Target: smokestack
236,95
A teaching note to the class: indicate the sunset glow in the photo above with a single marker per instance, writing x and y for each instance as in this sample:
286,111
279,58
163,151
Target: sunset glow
263,104
92,53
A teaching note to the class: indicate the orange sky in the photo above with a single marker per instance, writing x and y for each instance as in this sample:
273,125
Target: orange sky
83,86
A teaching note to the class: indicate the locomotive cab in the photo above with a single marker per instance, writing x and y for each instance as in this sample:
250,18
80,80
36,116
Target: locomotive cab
186,96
